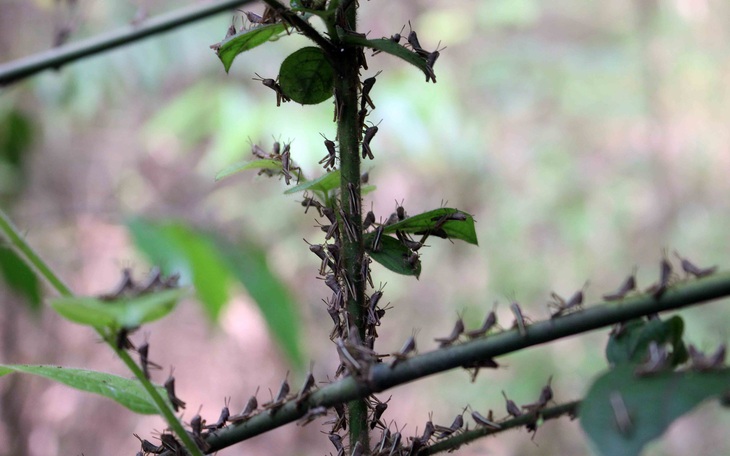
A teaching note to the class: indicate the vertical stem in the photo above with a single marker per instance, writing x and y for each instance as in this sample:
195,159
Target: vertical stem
33,260
348,133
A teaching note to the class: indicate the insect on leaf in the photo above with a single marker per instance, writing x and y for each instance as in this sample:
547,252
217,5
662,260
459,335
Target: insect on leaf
622,413
307,77
434,220
323,184
246,164
127,392
632,344
393,255
247,40
122,313
386,45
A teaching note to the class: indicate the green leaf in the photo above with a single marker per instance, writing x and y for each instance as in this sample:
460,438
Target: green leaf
307,77
128,393
631,345
365,189
247,40
651,403
246,164
174,245
393,255
20,277
453,229
213,264
323,184
392,48
249,265
121,313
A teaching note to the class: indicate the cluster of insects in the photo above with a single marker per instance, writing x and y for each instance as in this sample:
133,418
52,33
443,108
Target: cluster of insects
281,154
129,288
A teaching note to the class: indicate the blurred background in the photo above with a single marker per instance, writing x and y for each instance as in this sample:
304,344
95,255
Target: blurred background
584,137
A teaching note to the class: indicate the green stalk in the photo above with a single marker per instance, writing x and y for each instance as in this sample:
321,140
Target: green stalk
34,261
347,83
451,443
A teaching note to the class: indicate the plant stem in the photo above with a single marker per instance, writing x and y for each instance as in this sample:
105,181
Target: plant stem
347,83
301,25
451,443
33,260
384,377
55,58
12,235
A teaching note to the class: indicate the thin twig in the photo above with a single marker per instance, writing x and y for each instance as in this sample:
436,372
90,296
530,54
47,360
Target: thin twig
451,443
55,58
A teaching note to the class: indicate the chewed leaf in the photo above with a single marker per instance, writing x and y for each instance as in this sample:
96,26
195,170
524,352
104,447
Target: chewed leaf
393,255
622,413
128,393
229,48
307,77
122,313
244,165
442,222
324,184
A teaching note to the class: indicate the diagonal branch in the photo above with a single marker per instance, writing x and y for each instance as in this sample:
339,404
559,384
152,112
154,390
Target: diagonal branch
452,443
55,58
384,377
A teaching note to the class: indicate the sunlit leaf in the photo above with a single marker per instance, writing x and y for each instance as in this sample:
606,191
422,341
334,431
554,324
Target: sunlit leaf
121,313
176,246
20,277
622,413
249,266
393,255
631,345
247,40
244,165
306,76
438,223
126,392
323,184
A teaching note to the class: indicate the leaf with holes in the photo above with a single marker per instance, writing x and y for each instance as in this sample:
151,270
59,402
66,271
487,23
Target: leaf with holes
127,392
306,76
230,47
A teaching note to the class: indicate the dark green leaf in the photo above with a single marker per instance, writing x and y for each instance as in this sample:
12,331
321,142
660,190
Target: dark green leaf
651,403
306,76
323,184
244,165
20,277
631,345
392,48
433,221
393,255
247,40
176,246
249,265
128,393
122,313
